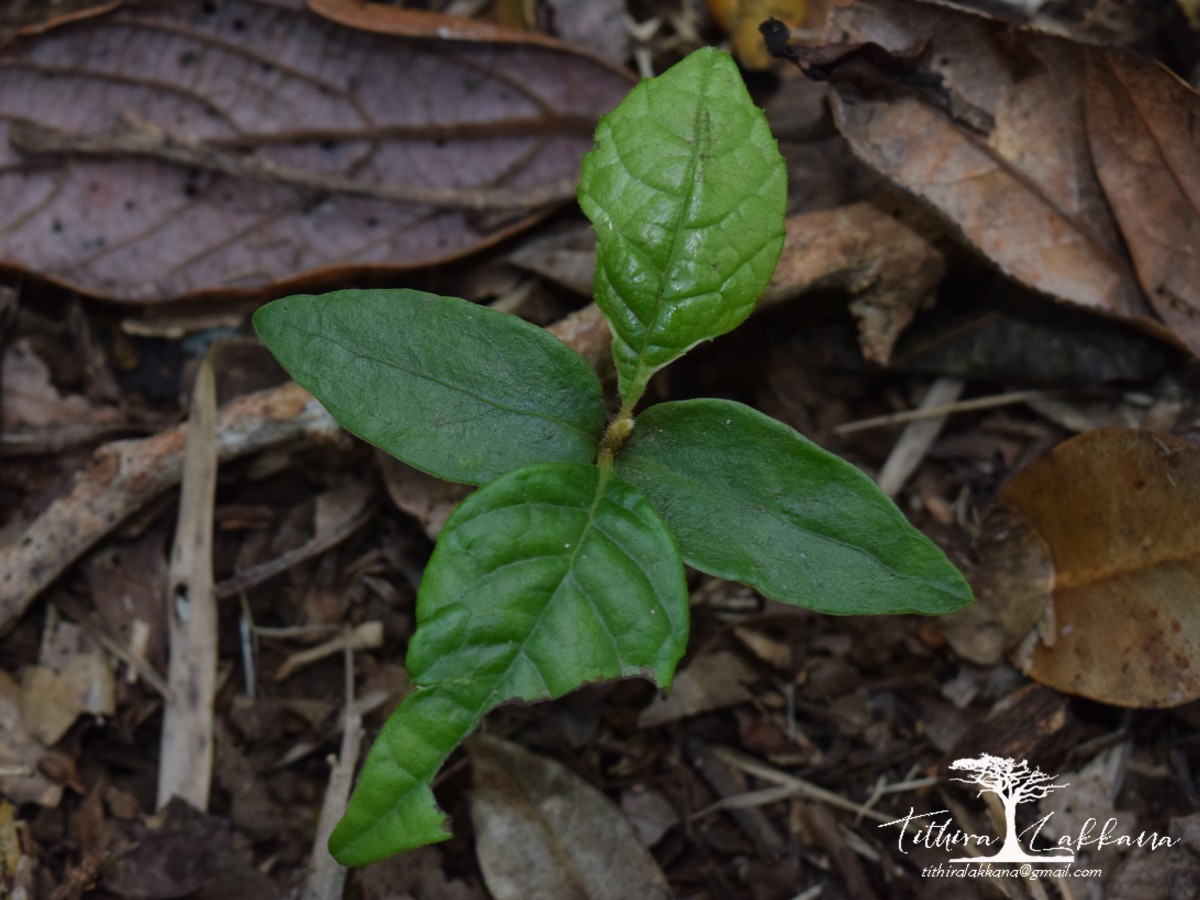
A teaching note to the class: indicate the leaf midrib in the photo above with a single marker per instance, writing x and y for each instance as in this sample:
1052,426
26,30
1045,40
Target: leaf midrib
703,487
589,523
532,413
702,141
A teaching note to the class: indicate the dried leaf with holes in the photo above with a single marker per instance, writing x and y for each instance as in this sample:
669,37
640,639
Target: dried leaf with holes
172,149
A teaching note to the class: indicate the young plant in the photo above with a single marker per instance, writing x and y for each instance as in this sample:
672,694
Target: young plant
566,566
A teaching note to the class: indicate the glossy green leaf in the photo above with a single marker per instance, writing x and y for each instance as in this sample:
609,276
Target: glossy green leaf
751,500
687,191
548,577
458,390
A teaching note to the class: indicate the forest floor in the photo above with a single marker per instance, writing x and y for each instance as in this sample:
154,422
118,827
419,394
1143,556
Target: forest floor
794,745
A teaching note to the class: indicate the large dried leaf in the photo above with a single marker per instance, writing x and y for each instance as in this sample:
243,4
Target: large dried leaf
1115,510
1070,167
173,148
1142,133
545,833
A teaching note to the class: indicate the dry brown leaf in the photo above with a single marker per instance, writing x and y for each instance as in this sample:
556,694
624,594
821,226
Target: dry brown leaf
543,832
21,754
31,399
649,812
382,18
987,124
74,676
890,269
169,149
1116,511
710,681
1013,586
1141,123
427,499
1093,792
598,25
126,584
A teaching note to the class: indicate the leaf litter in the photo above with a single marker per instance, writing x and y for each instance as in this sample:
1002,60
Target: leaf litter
1070,167
179,149
860,712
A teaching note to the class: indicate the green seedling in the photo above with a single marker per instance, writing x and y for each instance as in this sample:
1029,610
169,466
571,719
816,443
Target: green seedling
567,565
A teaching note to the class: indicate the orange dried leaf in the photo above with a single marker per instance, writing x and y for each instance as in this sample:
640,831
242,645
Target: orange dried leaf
1116,510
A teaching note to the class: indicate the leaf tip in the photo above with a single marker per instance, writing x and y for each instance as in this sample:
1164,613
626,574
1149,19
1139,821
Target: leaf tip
364,836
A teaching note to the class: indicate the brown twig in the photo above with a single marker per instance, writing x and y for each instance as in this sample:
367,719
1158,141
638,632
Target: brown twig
367,636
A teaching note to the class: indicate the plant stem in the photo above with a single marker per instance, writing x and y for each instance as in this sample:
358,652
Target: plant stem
614,436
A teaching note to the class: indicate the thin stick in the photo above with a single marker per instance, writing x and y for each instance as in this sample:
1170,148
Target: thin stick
801,787
185,760
944,409
326,877
917,437
367,636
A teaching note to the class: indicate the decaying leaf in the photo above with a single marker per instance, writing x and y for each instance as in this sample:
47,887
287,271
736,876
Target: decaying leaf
1141,124
544,832
20,755
1071,167
74,676
1116,512
711,681
1012,584
599,25
427,499
30,398
169,149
